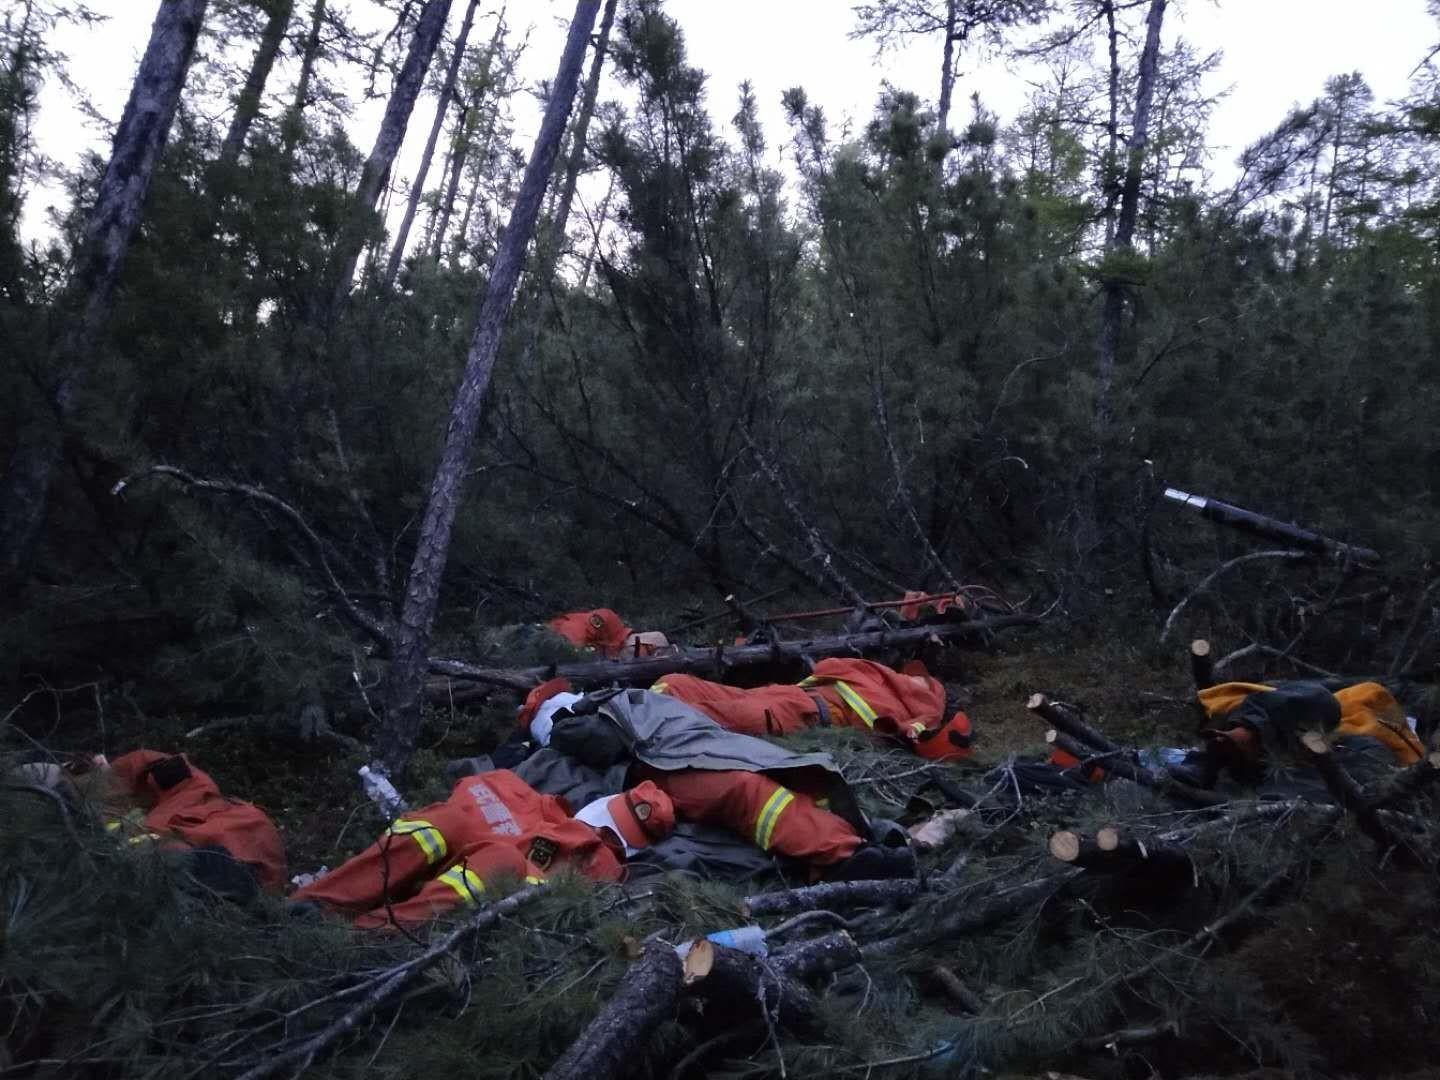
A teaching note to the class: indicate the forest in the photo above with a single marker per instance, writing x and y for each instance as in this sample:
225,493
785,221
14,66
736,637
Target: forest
299,454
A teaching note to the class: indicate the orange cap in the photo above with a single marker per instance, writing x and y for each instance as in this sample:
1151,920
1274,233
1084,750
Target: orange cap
537,697
952,742
644,814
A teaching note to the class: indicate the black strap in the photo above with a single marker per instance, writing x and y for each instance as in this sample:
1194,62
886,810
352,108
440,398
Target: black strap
821,709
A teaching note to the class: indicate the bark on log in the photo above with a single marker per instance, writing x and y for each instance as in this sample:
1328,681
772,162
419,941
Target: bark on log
729,980
1270,528
1120,766
1346,792
956,990
644,998
973,918
715,663
1202,664
1096,1044
247,105
405,684
817,957
1067,718
830,895
1110,851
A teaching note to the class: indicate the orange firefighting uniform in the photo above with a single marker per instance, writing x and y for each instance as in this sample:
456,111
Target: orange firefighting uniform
440,857
193,812
909,705
602,630
1365,709
749,804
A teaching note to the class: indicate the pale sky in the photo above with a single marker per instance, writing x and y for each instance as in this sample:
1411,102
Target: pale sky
1276,53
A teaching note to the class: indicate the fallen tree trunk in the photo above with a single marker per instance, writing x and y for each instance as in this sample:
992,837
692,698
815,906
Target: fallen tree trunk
1067,718
715,662
817,957
644,998
1111,851
1118,765
830,894
1346,792
727,980
1248,521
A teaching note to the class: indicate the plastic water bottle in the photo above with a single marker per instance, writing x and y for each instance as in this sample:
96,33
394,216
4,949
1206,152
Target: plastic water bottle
378,787
750,939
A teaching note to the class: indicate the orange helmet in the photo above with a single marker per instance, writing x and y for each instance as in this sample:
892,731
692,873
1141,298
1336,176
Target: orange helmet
952,741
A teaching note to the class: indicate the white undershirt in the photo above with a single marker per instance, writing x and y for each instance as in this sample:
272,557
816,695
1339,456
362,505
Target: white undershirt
545,716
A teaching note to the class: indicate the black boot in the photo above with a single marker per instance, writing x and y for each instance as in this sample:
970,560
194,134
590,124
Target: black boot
872,863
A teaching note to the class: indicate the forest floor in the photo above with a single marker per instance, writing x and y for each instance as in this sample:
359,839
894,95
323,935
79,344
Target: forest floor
1338,980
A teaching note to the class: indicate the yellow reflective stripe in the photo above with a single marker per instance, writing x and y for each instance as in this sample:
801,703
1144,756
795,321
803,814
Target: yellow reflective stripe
143,838
770,814
661,687
430,839
531,879
113,826
809,680
465,882
857,703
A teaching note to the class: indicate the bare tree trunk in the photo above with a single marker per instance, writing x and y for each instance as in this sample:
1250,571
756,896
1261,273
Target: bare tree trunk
460,147
947,68
452,188
247,105
1112,127
90,293
405,681
596,228
294,119
1112,313
428,32
577,148
417,187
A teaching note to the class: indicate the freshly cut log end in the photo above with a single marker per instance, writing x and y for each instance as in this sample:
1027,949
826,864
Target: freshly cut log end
1065,846
1052,736
1433,759
1314,742
1200,647
1036,702
699,961
1108,838
1202,664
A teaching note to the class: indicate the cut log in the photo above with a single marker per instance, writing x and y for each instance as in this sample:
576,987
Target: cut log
1114,1041
830,895
1247,521
609,1046
729,980
1112,851
1341,785
1202,664
713,662
1118,765
1067,718
956,990
817,957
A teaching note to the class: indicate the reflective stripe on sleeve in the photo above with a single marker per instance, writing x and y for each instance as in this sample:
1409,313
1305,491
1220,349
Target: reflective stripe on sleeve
858,704
661,687
465,882
770,814
430,839
531,879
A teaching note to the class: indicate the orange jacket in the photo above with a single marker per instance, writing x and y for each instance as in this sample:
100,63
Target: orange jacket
193,811
601,630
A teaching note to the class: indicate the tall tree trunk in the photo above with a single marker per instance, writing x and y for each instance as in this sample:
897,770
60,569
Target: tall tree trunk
1112,315
947,68
422,591
295,117
577,148
452,186
387,144
417,187
597,227
90,293
460,147
247,105
1112,127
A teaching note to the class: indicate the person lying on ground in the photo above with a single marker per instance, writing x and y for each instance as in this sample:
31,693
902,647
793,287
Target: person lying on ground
605,632
908,707
1252,729
493,826
151,797
770,800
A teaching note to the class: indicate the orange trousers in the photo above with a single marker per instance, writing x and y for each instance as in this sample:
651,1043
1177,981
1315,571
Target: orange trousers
760,710
767,814
441,856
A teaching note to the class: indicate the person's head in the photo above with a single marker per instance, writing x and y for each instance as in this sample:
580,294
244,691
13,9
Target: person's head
638,818
953,741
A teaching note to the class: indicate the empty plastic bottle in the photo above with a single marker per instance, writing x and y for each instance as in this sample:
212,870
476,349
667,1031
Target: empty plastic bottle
380,790
750,939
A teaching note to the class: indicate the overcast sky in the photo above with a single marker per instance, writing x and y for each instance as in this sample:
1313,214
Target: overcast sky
1276,53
